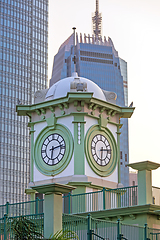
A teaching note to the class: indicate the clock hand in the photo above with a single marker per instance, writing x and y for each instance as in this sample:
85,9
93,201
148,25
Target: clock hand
58,146
101,152
51,151
105,149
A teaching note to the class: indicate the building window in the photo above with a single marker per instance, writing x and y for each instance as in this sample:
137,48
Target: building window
96,60
120,154
125,157
96,54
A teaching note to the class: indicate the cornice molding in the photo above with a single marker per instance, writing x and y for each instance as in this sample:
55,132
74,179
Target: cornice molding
82,98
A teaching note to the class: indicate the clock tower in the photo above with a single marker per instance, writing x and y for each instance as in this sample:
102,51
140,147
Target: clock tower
75,135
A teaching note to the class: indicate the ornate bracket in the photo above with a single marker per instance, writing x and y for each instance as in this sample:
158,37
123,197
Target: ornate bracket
101,110
102,122
51,121
132,216
82,103
90,106
113,113
61,107
75,103
38,112
109,112
66,105
43,110
52,108
120,217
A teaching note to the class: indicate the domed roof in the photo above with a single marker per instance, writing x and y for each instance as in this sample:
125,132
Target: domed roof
74,84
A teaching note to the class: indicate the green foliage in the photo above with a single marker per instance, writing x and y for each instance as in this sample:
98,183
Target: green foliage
25,229
64,235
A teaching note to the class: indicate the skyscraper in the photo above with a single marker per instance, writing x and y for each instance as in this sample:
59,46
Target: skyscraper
98,60
23,70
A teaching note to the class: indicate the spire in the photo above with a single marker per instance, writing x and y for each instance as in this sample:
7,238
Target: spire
74,58
97,21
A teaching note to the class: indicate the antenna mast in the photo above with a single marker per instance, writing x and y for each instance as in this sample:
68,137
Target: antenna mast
97,22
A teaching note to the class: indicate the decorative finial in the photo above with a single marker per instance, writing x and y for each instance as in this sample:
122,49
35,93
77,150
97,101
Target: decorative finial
74,58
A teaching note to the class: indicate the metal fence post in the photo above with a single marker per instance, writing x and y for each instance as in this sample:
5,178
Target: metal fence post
146,232
7,208
5,226
89,232
37,204
118,230
69,202
104,198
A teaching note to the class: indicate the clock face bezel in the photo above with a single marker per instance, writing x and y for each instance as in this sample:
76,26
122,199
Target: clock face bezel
106,169
41,165
53,149
101,150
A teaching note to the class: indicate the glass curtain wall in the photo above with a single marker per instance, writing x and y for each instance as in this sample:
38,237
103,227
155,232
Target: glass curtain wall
23,70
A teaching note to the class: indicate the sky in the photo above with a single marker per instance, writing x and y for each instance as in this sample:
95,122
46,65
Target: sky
134,27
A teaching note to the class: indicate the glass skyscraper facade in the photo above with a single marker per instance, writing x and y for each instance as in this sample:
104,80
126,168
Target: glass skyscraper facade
97,60
23,71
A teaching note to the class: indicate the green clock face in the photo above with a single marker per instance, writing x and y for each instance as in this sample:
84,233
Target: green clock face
53,149
101,150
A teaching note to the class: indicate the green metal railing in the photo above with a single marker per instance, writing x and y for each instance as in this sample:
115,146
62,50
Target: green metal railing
101,229
76,224
22,208
79,203
7,230
100,200
153,234
132,232
89,228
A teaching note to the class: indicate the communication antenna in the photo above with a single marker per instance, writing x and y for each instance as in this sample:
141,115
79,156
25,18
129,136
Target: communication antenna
74,58
97,22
